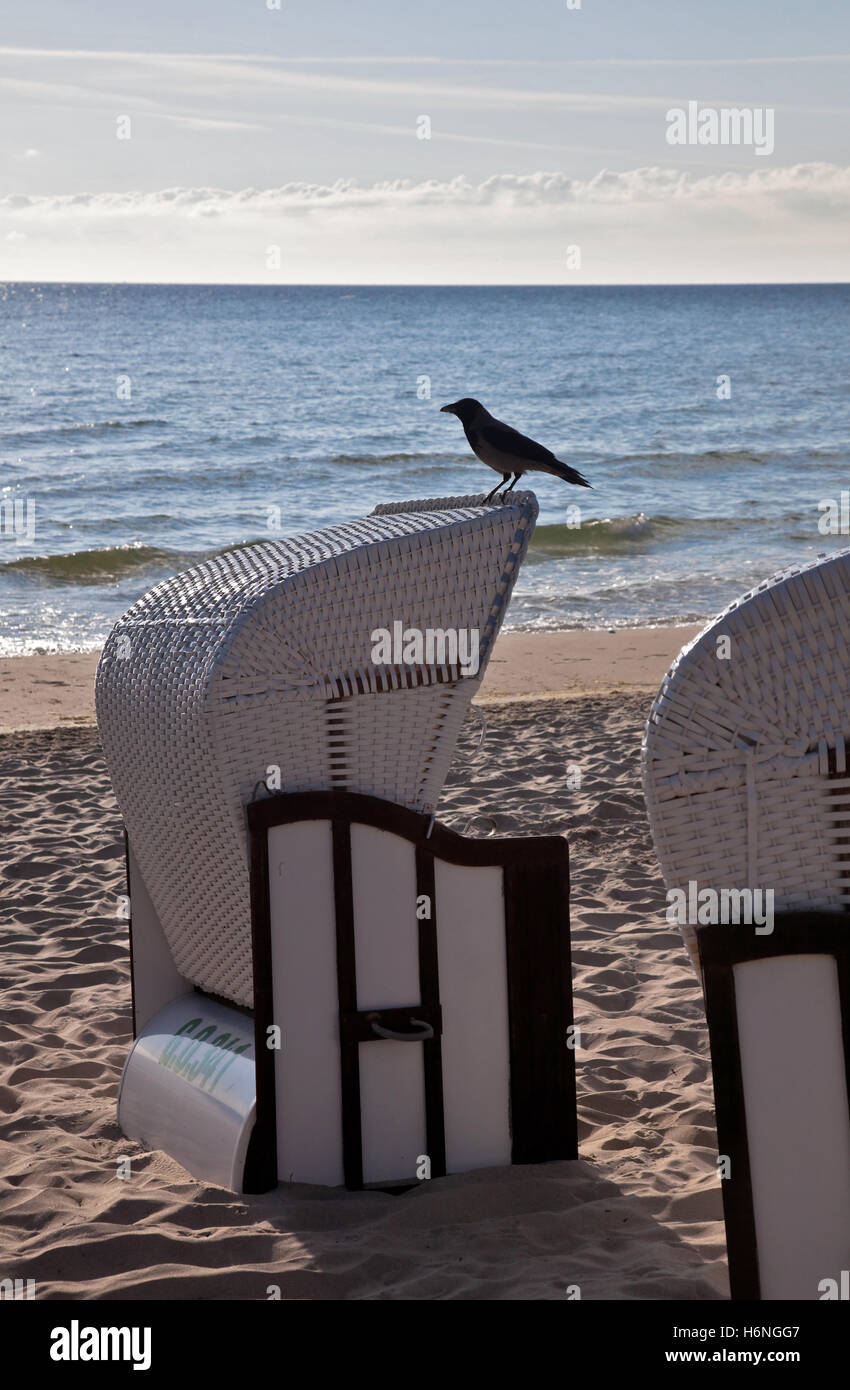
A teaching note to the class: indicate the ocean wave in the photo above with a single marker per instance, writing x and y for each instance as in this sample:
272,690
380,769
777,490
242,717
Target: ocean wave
625,535
98,566
678,461
608,534
101,473
370,460
88,428
599,621
682,459
632,533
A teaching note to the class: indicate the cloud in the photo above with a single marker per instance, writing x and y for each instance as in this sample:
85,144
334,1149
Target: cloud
817,181
262,80
407,59
211,123
640,225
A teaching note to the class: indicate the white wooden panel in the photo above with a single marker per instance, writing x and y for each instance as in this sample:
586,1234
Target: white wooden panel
392,1083
383,871
798,1131
474,998
392,1099
303,948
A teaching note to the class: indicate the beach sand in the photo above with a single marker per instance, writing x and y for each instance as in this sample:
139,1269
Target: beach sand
40,692
638,1216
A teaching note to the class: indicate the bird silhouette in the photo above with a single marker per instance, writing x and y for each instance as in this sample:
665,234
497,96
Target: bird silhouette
506,450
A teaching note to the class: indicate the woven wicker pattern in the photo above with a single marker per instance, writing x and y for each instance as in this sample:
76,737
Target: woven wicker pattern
745,759
261,658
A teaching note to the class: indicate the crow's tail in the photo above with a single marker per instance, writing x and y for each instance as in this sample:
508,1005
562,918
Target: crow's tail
569,475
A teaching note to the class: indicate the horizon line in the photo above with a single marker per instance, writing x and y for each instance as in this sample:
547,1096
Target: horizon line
446,285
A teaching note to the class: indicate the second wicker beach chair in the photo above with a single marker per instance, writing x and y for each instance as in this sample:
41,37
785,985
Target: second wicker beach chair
747,786
745,757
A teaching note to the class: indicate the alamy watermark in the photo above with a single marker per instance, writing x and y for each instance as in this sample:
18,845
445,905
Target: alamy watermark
17,519
430,646
17,1289
83,1343
721,125
694,906
832,1290
834,519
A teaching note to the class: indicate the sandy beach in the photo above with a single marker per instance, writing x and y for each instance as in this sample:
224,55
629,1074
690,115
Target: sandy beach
638,1217
43,692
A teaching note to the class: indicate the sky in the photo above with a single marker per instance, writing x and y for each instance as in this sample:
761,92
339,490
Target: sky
254,141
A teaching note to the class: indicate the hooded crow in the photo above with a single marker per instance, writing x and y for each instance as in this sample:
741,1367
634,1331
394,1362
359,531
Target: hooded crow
505,449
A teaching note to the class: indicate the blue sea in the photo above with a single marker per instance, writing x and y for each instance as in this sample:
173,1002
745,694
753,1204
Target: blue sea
143,428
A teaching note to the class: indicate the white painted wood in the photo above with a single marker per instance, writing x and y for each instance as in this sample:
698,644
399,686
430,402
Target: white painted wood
392,1098
383,873
303,948
156,979
474,997
798,1130
392,1081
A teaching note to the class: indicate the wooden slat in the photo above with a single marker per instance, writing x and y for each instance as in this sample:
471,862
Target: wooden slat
352,1129
429,985
543,1086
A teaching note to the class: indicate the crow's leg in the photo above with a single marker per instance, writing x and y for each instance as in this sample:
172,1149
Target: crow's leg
492,494
517,477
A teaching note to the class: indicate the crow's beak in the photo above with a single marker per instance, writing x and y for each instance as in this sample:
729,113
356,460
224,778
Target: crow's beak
449,408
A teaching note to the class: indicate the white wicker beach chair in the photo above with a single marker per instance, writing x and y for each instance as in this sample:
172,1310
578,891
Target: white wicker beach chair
328,986
257,667
745,754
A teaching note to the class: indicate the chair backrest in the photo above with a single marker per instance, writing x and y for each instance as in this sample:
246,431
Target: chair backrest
261,665
745,753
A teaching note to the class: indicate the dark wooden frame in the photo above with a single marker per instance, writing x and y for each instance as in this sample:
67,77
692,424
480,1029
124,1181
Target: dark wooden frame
721,948
536,885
